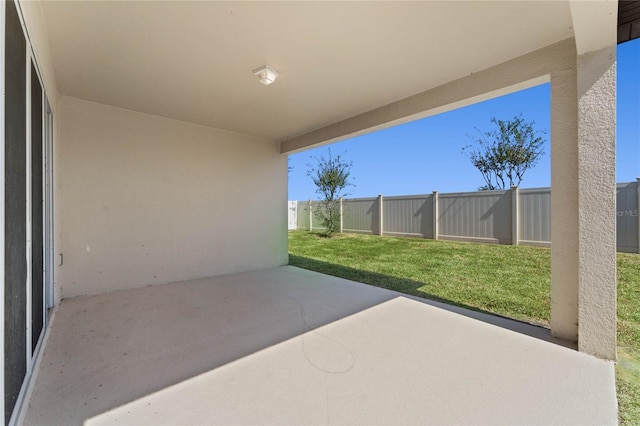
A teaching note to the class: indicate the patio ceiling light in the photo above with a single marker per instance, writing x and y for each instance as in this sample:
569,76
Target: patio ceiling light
266,75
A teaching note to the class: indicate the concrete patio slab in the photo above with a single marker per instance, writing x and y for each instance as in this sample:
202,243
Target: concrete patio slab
289,346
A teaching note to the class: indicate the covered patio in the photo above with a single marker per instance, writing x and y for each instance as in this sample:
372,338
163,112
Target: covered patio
145,232
290,346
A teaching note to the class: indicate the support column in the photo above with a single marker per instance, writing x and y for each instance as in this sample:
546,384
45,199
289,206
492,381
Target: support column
597,202
310,217
564,205
583,216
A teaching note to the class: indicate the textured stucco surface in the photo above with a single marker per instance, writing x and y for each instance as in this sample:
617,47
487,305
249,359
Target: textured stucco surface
147,200
583,263
597,202
564,204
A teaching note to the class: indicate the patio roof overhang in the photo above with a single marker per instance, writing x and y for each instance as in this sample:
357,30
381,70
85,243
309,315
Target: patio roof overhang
193,61
628,20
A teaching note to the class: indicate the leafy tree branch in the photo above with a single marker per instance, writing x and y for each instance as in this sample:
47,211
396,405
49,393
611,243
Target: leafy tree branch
330,175
503,155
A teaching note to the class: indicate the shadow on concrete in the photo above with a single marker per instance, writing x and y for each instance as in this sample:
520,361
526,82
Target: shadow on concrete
107,352
400,285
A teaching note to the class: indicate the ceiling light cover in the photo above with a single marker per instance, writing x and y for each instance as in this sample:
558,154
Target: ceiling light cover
266,75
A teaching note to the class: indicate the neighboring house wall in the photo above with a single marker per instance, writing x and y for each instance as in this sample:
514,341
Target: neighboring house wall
148,200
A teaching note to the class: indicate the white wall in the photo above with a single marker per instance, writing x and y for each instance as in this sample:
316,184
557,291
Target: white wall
32,14
148,200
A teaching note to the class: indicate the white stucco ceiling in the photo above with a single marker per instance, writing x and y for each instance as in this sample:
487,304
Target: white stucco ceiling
193,61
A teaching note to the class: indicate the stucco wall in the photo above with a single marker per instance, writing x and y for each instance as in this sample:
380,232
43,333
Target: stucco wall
148,200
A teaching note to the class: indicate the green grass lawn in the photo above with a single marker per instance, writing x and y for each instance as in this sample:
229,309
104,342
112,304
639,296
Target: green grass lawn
512,281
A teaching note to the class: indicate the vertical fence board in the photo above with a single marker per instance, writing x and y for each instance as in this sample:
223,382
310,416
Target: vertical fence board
627,220
484,216
360,215
408,216
315,225
303,215
535,215
292,222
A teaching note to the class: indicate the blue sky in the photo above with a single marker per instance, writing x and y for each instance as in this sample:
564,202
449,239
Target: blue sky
426,155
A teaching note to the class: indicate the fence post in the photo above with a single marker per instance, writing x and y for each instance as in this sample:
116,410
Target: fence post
515,215
310,217
380,215
341,226
435,215
638,210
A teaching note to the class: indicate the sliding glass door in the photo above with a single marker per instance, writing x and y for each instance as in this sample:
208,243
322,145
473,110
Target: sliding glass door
27,217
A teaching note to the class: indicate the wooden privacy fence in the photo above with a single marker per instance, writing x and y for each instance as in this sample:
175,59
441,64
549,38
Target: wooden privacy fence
515,216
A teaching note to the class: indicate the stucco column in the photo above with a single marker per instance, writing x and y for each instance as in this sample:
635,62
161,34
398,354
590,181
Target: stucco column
564,205
597,202
583,216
